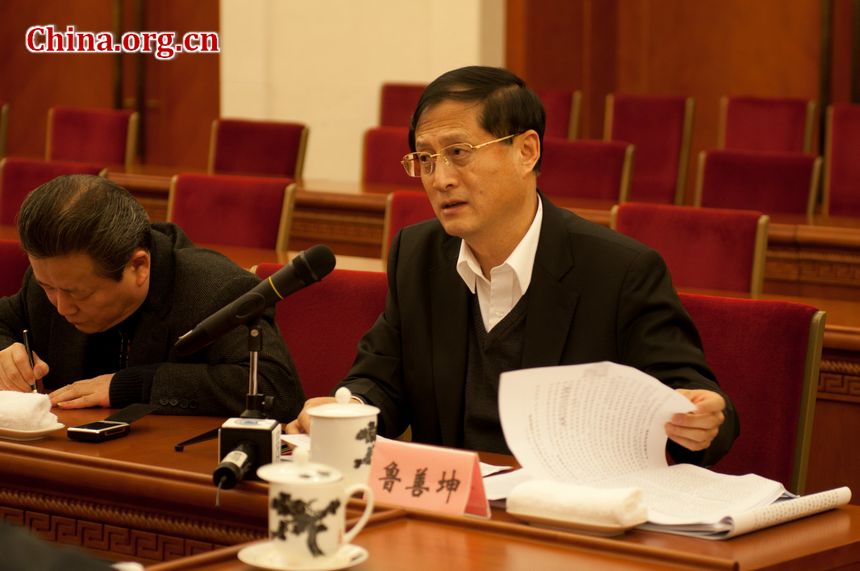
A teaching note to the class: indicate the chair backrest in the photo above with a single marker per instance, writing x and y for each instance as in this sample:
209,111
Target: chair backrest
382,151
403,208
707,248
661,129
254,212
4,126
779,124
562,108
18,176
103,136
842,171
322,324
769,182
766,356
13,264
261,148
397,102
586,169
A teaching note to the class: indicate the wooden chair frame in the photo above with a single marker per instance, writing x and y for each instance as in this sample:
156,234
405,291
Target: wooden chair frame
627,173
300,155
686,140
4,128
575,110
807,402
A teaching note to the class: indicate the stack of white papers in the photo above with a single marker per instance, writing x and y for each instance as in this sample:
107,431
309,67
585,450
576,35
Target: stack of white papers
602,425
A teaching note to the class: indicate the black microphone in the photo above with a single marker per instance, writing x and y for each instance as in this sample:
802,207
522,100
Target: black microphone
306,268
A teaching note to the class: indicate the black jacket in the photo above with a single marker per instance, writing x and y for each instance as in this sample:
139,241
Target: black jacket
595,295
186,285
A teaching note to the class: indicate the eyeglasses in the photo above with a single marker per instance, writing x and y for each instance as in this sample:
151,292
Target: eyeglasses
457,155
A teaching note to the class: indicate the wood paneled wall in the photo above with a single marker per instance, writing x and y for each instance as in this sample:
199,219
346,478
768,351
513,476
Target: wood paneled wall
32,83
704,49
180,96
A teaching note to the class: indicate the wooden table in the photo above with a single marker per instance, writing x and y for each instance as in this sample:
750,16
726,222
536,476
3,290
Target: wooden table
834,460
136,499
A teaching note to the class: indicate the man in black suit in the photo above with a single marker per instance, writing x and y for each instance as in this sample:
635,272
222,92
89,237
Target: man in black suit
106,297
503,279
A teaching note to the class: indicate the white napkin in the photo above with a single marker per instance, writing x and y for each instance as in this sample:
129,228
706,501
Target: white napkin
569,503
25,411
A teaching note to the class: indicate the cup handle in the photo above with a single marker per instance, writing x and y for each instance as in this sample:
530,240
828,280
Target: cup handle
368,509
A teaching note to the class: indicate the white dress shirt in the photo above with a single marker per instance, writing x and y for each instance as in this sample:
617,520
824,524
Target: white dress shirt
508,281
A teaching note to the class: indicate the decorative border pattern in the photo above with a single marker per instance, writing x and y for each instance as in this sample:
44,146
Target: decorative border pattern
136,534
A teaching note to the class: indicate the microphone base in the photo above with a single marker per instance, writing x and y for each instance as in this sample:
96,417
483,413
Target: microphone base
255,406
264,435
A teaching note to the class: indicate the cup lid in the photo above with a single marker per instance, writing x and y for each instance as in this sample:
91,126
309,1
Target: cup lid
343,408
299,470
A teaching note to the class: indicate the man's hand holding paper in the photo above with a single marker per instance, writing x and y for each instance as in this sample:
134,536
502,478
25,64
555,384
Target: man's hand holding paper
696,430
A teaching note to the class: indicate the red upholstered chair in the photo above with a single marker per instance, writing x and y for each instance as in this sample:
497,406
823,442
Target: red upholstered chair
261,148
18,176
254,212
660,128
322,324
842,171
13,264
779,124
769,182
403,208
103,136
398,102
382,151
586,169
4,126
706,248
766,356
562,112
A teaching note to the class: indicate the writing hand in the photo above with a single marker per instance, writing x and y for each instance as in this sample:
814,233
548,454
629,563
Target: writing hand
696,430
84,394
15,371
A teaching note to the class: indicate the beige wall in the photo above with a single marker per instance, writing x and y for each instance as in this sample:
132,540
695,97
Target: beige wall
322,62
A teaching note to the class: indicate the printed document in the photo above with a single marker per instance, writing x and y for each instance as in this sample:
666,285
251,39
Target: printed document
602,425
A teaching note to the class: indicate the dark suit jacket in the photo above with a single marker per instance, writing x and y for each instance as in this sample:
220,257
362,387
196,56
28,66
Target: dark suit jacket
186,285
595,295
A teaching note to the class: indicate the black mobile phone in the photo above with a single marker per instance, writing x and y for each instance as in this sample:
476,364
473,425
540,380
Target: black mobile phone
98,431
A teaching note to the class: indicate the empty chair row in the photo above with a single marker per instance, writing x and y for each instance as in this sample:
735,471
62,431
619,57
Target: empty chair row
397,102
109,137
704,248
604,170
234,210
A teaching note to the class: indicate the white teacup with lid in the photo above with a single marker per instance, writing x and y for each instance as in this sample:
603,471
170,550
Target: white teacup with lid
343,435
307,511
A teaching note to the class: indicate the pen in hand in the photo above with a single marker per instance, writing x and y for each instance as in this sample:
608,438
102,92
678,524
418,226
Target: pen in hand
26,336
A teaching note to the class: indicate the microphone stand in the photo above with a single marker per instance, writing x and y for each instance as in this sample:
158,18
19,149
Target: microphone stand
255,403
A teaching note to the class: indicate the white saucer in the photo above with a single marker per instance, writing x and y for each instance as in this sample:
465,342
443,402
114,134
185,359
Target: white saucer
22,435
266,556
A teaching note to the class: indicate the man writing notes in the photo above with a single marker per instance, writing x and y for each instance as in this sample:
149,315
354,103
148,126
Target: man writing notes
503,279
106,297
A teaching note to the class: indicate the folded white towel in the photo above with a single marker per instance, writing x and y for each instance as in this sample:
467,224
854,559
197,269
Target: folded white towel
568,503
25,411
